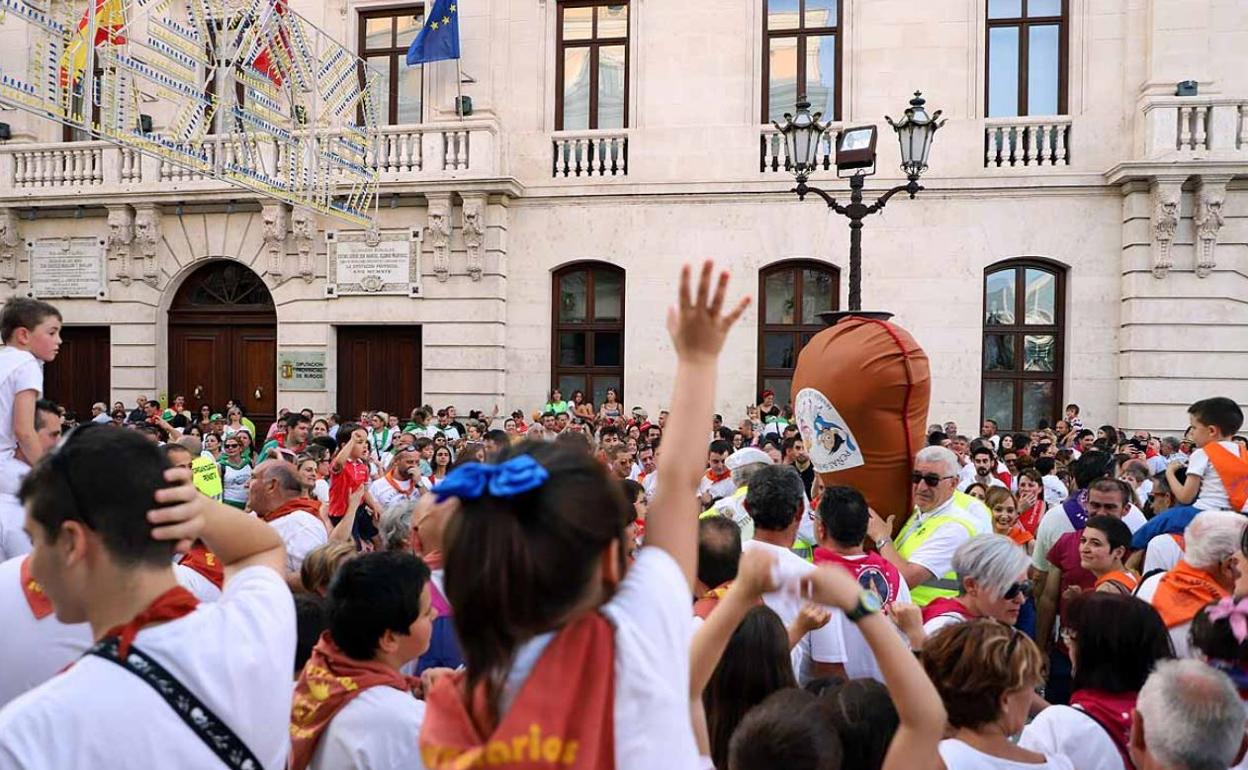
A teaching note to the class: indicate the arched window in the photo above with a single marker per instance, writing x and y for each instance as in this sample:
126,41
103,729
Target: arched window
1024,343
792,295
587,349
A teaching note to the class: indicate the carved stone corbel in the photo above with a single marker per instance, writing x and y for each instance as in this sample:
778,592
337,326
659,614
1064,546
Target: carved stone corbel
440,235
10,242
1208,220
274,216
474,235
120,236
1165,225
303,228
147,236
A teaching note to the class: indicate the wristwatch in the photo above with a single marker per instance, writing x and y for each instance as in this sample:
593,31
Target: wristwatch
879,544
868,604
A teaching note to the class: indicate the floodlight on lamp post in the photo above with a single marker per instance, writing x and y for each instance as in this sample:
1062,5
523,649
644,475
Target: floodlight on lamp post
855,153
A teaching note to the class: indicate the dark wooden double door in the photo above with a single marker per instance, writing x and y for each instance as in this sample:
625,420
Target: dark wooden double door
79,375
378,368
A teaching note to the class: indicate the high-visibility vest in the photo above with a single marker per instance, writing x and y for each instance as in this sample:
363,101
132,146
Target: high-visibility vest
732,508
206,476
914,535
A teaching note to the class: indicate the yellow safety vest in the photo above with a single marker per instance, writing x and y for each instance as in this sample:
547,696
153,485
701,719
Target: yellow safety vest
914,535
206,476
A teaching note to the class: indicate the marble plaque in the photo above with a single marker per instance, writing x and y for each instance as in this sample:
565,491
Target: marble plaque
378,262
68,267
300,369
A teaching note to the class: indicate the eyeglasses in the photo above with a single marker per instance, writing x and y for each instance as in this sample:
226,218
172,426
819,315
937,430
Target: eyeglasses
931,479
1021,587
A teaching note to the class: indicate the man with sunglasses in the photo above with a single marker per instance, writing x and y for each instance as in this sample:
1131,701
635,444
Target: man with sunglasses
943,519
402,482
103,548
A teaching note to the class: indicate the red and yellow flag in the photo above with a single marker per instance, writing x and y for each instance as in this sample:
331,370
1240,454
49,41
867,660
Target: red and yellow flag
110,21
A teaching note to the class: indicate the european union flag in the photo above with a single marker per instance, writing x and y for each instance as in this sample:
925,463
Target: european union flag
439,38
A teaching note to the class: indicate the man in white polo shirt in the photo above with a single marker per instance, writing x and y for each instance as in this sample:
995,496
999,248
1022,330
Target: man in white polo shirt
103,544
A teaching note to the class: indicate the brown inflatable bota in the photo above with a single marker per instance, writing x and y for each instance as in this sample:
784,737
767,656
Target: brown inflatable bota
861,393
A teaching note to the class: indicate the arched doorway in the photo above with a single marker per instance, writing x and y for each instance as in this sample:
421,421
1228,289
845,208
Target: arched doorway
223,342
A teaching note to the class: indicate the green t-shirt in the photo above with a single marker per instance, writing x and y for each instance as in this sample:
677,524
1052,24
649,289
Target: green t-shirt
558,407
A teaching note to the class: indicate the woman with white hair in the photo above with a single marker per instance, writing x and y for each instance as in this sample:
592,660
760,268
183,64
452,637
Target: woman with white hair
1205,574
396,526
992,571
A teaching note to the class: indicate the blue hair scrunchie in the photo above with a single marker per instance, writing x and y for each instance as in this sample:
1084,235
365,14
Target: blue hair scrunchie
518,475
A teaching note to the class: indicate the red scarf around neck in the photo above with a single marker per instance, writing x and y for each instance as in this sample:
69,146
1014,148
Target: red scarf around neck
175,603
330,680
305,504
548,725
1112,711
946,606
39,602
205,562
1182,592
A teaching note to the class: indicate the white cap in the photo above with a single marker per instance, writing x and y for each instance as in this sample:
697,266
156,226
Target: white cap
747,456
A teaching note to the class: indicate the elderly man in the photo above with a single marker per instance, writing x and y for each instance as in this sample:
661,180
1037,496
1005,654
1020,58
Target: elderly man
1205,574
943,519
1188,717
275,494
743,464
99,413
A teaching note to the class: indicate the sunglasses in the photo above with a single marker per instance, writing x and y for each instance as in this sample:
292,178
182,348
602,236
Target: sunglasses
1021,587
931,479
232,445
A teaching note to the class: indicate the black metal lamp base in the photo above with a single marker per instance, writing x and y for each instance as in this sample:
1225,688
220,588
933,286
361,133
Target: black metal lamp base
831,317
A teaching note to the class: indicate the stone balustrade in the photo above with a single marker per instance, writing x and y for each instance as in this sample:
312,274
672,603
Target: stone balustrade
1195,127
590,153
772,157
1027,142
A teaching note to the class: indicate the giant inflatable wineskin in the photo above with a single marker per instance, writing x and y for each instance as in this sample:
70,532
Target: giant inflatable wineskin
860,396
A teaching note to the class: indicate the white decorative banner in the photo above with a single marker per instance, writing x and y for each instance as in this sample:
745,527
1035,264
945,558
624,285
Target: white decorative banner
373,262
68,267
829,441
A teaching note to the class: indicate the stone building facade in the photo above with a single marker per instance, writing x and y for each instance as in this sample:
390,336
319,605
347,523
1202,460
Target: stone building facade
1083,234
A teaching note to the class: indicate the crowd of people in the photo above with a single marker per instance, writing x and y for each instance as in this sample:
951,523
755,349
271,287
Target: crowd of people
587,586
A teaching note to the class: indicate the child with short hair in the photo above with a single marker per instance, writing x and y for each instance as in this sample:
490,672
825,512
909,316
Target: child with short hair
1217,472
31,333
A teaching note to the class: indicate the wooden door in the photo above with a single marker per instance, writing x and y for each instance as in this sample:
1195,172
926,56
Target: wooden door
199,369
254,357
379,367
80,374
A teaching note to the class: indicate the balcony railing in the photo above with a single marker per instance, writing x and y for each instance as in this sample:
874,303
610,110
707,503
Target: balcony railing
426,152
1196,126
590,153
1028,141
772,157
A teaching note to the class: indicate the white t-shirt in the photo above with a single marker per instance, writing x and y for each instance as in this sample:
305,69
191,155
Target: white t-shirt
1056,523
1213,496
653,630
717,489
19,371
386,495
13,539
204,589
840,641
990,482
943,620
1163,553
301,532
236,655
1074,735
320,490
1178,634
376,731
786,603
961,756
33,649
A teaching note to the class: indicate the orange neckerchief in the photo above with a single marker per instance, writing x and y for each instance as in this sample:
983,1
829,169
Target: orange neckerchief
710,600
1233,471
171,605
1182,592
39,602
1020,535
205,562
715,478
548,725
390,480
1124,578
304,504
329,681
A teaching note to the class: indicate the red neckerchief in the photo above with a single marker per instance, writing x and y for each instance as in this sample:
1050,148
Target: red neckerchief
307,505
548,725
946,606
205,562
39,602
171,605
330,680
1112,711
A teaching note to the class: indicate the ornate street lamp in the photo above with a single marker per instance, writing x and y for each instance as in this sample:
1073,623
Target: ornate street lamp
855,153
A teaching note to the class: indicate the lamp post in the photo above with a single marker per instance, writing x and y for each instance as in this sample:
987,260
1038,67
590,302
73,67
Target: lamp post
855,152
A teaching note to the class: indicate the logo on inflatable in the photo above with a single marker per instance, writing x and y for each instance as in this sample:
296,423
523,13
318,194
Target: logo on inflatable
829,441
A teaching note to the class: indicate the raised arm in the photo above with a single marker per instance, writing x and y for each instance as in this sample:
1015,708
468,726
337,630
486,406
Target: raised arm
698,327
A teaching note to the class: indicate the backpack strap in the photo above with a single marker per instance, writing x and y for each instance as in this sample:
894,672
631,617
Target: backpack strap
1146,576
215,734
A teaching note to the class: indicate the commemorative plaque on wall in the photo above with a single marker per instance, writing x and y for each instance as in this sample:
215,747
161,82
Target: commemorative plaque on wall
378,262
301,369
68,267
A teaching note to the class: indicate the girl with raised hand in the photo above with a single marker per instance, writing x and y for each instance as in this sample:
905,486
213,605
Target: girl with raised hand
571,658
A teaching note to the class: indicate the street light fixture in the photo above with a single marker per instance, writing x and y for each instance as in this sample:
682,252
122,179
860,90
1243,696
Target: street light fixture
855,152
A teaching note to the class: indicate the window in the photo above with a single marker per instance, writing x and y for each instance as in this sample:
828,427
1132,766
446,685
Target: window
587,350
1023,343
385,37
801,57
1026,58
591,68
793,294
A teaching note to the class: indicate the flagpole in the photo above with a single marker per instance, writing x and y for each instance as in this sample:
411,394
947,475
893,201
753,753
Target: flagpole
459,92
